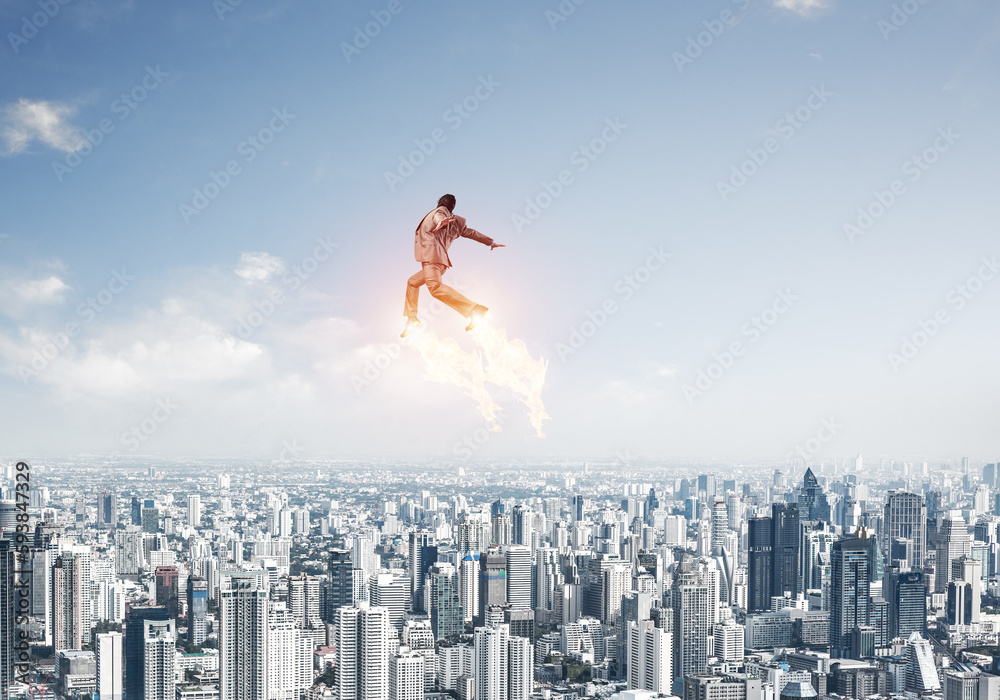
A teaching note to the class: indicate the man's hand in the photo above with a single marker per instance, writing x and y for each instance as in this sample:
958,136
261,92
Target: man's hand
497,245
444,222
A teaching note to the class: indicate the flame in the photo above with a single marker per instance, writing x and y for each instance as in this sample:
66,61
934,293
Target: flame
507,364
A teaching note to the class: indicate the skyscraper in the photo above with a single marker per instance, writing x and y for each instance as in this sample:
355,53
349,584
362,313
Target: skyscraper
107,510
197,609
167,582
650,657
490,666
289,655
813,504
393,594
67,603
785,549
953,542
340,585
849,593
109,654
135,648
445,609
406,676
518,576
492,582
906,518
759,564
159,665
906,593
520,668
194,510
362,653
243,636
422,554
303,600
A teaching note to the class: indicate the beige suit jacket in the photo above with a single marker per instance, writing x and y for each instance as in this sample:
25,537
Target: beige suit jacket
437,231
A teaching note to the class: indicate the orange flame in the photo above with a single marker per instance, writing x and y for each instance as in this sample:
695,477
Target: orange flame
508,364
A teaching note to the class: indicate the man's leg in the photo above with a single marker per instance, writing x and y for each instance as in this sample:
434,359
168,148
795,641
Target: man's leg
412,294
432,278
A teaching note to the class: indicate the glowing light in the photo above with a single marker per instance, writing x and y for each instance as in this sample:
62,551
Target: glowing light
503,362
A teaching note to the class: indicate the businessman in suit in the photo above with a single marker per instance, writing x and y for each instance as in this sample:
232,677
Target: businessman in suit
437,231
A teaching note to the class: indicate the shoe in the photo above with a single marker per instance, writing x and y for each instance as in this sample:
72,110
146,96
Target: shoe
478,314
412,324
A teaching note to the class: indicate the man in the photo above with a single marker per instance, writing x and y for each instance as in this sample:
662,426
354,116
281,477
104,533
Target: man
435,234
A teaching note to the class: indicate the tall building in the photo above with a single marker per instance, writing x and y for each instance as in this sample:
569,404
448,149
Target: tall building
921,673
159,642
785,549
289,656
340,584
167,582
849,593
107,510
490,663
720,525
520,668
906,593
135,648
445,609
953,542
303,600
406,676
243,622
468,591
67,603
906,518
692,602
760,562
197,609
813,504
519,578
363,635
194,510
422,554
492,582
964,591
650,657
110,658
393,594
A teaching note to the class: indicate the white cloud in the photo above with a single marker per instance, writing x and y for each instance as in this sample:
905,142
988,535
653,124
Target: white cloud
42,291
259,267
25,121
802,7
20,295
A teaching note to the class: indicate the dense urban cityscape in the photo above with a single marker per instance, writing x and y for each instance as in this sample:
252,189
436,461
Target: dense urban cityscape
186,580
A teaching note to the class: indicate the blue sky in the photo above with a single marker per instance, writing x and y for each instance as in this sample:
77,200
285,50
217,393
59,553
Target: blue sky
309,120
